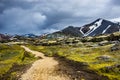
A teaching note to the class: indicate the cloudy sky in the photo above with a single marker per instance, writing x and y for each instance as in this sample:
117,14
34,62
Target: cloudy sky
43,16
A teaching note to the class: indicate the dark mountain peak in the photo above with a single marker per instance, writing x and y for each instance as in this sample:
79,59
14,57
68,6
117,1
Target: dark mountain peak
69,27
68,31
99,26
71,31
99,19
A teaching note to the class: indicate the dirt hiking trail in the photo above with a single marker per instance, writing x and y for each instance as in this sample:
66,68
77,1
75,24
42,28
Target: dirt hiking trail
50,68
43,69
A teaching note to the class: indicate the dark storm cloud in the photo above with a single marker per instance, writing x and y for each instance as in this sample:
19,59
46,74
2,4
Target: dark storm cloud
41,16
7,4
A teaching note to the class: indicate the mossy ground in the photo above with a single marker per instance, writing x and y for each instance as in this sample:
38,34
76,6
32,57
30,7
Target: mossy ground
12,60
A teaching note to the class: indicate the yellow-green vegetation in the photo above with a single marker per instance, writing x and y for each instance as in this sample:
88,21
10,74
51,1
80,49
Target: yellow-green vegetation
99,59
12,60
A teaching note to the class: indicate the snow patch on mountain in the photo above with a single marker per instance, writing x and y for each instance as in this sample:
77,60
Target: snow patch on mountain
106,29
94,27
81,30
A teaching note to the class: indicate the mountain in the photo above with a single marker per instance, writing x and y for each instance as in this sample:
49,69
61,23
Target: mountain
71,31
97,27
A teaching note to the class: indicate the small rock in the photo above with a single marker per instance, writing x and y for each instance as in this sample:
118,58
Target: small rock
103,43
115,47
117,65
114,42
78,71
104,57
39,57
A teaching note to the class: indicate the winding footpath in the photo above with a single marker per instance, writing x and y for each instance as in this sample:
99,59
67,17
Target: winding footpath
43,69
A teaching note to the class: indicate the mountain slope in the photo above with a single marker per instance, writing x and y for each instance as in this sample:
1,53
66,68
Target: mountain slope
72,31
69,31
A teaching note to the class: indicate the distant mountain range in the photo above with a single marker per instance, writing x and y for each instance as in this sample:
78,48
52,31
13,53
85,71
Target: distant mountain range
4,37
97,27
30,35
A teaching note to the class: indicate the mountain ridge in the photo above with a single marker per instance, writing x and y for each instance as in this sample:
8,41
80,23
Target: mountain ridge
97,27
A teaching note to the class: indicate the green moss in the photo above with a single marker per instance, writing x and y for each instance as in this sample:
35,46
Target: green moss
10,55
